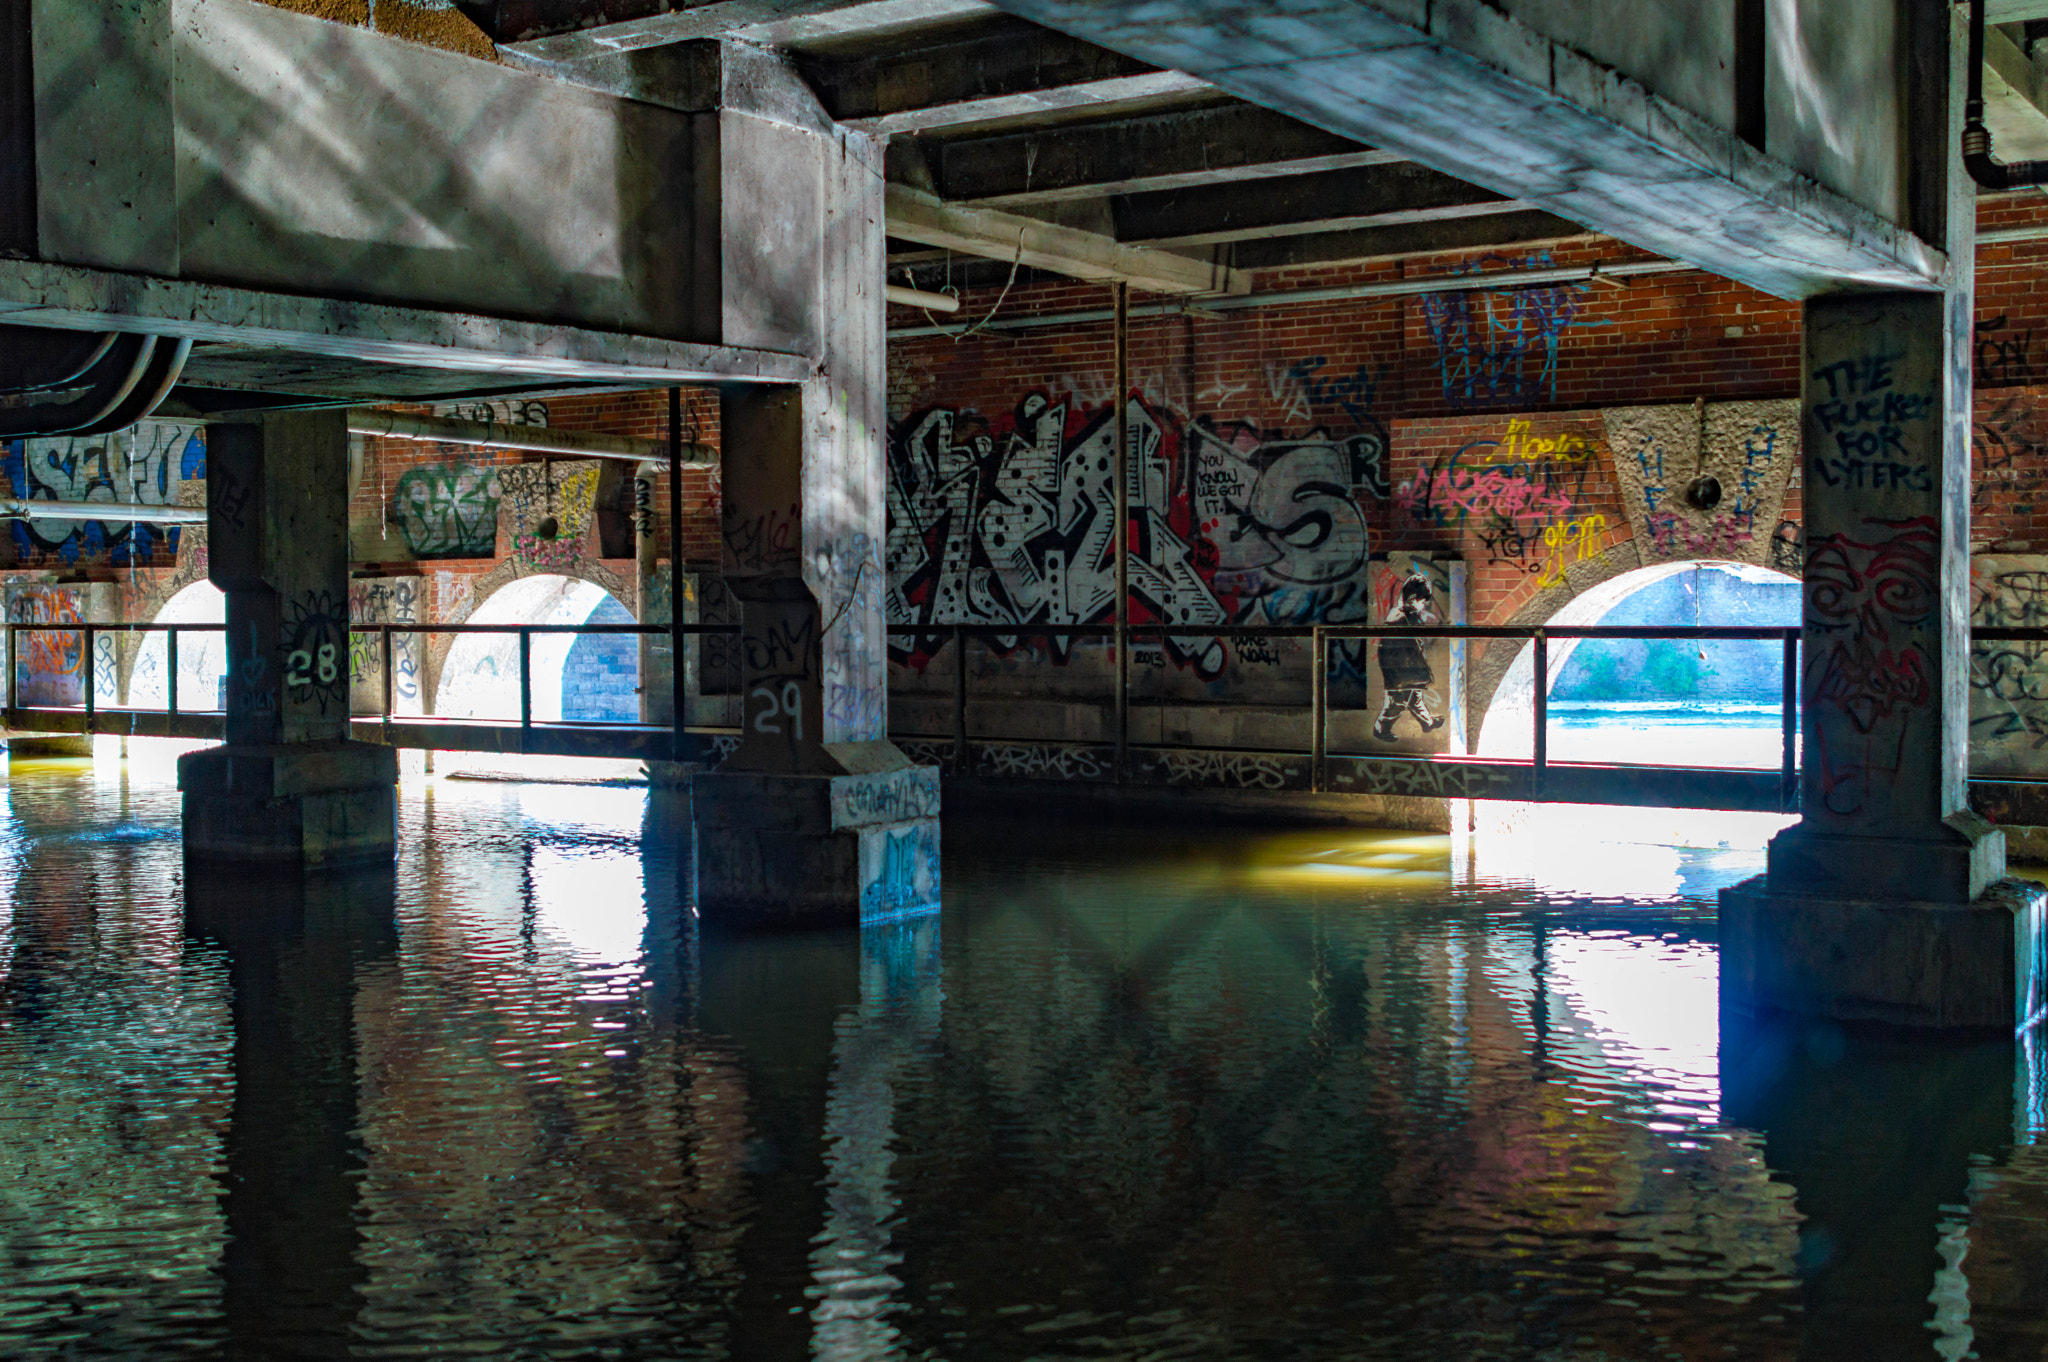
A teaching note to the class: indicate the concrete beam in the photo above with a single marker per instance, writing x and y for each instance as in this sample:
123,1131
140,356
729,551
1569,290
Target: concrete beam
2014,11
984,74
37,294
1335,200
551,31
914,215
1526,227
1462,87
1157,152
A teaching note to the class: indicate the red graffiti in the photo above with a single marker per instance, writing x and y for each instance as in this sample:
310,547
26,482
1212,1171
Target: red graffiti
1451,494
57,654
1871,593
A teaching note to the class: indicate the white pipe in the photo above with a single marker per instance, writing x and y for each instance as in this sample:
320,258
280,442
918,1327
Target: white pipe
917,297
396,425
13,508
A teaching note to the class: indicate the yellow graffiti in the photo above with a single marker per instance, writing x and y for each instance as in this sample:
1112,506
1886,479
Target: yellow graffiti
1518,445
1572,541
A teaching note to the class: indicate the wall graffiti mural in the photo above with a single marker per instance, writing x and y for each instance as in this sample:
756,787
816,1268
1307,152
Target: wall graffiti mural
1499,345
314,643
1868,599
448,510
1707,480
551,506
143,465
49,668
1519,495
2009,680
386,600
1013,522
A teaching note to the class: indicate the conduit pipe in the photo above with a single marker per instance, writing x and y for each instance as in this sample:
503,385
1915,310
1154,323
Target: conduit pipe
917,297
394,425
1393,288
14,508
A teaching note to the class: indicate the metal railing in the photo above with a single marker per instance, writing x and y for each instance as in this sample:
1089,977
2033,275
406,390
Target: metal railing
1321,637
91,631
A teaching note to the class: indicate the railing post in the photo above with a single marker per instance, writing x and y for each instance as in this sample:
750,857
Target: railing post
171,685
1542,710
525,680
85,670
11,697
959,700
1319,706
1788,798
678,670
384,635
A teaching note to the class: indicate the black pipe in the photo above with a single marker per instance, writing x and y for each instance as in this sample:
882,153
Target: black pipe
1976,137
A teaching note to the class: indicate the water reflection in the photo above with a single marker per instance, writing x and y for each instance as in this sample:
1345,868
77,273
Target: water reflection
1134,1093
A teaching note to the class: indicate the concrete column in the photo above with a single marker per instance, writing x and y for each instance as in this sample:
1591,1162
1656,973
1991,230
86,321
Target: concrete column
817,817
288,786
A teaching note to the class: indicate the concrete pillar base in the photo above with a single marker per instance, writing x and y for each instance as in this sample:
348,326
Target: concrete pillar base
1965,857
1903,962
313,804
60,745
775,850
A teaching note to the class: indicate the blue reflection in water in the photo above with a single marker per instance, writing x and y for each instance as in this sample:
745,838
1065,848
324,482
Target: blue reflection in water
1133,1093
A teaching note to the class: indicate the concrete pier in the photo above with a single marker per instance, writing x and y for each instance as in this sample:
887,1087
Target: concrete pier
288,786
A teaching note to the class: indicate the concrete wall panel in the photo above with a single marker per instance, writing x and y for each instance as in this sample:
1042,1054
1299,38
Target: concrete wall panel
323,158
1682,50
1833,83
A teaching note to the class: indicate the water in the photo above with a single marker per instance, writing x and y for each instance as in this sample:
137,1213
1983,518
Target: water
1134,1094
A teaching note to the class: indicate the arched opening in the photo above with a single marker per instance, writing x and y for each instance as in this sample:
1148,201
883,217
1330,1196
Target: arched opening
202,656
1660,702
202,670
586,678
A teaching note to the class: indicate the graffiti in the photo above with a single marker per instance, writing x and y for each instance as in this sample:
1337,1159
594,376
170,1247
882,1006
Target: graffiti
1234,770
1704,480
2004,355
1788,547
552,505
49,667
1422,779
893,798
1016,524
1721,536
507,412
448,510
899,870
760,543
142,465
1302,390
228,499
1572,541
1404,667
1497,345
2008,680
315,644
1866,599
1032,762
1450,493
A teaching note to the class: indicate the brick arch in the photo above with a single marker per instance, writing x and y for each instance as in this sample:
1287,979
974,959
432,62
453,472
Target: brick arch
509,570
1485,675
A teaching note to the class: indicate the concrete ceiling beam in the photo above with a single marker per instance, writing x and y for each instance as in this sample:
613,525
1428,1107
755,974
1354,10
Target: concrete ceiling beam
914,215
1155,152
1462,87
1336,200
36,294
572,30
982,74
2015,91
1525,228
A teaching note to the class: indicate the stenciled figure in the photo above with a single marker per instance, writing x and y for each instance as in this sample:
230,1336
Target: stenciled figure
1404,669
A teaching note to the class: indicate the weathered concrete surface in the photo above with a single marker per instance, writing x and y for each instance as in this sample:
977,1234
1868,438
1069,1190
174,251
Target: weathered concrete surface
1902,961
287,786
807,850
1469,90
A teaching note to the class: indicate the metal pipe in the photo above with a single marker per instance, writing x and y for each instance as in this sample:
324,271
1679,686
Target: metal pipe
17,508
396,425
1977,158
917,297
1120,414
1394,288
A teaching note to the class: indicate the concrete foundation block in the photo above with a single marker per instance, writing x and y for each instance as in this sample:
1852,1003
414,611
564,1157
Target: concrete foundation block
1964,856
1975,966
314,804
774,850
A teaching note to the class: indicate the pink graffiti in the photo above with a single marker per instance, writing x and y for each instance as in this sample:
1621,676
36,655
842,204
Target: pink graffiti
1444,494
1672,533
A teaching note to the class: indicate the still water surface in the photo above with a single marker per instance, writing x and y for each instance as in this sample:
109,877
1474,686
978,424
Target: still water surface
1133,1094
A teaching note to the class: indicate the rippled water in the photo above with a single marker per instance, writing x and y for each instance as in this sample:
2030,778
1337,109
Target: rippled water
1134,1093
